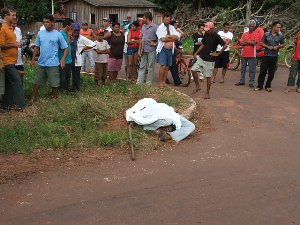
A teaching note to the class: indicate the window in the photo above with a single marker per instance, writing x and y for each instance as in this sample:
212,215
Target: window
93,18
73,16
139,15
113,18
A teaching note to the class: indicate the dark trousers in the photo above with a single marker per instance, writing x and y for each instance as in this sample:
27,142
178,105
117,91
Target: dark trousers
268,65
76,77
65,76
174,71
14,93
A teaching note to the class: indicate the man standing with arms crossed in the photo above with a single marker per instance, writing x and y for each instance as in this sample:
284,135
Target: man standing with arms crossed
166,35
147,49
14,93
206,57
88,33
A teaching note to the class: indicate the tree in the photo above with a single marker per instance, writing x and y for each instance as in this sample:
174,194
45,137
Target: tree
29,10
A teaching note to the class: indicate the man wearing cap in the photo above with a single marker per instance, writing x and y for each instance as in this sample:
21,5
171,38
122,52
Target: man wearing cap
48,42
147,49
249,41
88,33
14,94
102,49
79,43
106,25
206,56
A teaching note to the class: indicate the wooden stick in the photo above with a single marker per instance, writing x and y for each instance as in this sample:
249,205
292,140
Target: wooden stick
131,143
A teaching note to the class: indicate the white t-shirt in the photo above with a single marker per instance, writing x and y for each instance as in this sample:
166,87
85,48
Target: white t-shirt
162,32
18,34
103,45
224,36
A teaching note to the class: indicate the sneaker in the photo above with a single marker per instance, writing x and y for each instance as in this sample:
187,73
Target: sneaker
239,84
257,89
268,89
251,85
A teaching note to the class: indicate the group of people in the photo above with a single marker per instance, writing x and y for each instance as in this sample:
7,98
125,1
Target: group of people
63,54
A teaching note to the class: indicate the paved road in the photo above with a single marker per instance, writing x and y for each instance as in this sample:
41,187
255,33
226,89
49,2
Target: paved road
246,171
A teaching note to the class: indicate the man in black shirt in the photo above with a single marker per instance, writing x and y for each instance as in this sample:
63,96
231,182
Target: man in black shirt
206,56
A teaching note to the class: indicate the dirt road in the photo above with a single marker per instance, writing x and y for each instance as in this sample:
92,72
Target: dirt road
246,171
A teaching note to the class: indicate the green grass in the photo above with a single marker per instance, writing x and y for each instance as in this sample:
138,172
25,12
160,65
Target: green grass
93,117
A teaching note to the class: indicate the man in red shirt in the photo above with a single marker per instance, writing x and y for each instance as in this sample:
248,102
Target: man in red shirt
295,67
249,41
88,33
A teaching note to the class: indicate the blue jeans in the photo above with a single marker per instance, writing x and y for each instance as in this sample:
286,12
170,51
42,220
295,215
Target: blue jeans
252,67
14,93
174,71
147,62
90,55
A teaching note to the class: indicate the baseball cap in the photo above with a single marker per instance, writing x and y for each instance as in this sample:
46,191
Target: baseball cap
128,16
100,31
106,19
75,26
209,26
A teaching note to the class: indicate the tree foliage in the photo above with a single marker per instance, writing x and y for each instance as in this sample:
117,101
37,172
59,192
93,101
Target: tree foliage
30,10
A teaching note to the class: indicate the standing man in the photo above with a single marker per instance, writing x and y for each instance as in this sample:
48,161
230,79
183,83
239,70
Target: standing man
206,55
65,73
147,49
106,25
79,43
272,42
48,42
88,33
295,67
14,93
249,41
167,35
222,61
197,38
19,65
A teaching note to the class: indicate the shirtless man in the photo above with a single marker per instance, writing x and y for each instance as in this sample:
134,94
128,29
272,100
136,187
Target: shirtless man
166,35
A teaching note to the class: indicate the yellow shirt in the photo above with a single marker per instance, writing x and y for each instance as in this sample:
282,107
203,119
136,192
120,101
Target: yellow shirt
7,36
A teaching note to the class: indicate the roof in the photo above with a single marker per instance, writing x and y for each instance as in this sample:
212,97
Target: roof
120,3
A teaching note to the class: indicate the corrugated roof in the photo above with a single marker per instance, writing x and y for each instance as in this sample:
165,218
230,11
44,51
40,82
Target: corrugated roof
120,3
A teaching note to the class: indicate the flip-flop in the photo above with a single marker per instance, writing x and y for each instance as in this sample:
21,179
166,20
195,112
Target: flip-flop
195,91
206,97
222,81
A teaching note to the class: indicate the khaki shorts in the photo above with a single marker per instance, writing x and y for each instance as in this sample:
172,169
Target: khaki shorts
204,67
50,74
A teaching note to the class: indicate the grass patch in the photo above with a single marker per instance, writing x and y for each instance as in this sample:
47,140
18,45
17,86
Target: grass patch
93,117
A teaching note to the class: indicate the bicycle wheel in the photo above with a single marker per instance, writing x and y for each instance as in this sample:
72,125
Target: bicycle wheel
184,73
288,57
234,60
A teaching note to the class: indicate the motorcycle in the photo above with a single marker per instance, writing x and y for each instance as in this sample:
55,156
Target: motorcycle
27,46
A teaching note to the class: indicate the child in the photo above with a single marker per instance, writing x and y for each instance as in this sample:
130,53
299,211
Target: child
102,49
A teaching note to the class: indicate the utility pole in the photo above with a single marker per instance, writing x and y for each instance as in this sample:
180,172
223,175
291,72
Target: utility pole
52,7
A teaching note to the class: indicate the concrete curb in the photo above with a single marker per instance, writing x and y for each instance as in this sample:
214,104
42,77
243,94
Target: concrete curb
190,111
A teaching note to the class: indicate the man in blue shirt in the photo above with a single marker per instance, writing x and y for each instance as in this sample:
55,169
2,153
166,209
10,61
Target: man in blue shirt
65,73
48,42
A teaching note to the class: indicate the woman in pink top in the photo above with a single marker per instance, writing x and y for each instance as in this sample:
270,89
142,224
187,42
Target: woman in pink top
133,41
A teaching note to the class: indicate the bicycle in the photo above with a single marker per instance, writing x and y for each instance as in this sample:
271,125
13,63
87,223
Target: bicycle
234,57
184,71
288,55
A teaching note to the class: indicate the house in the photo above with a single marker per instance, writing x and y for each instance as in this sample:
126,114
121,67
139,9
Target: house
93,11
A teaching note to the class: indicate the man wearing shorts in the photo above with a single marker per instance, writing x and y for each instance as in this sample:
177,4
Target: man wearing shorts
206,57
166,35
222,61
14,94
48,42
